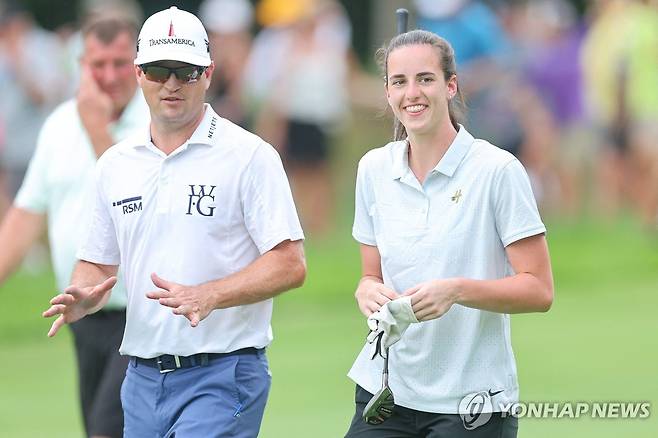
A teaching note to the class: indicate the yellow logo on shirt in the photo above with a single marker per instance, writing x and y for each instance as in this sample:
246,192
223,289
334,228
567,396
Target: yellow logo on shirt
458,194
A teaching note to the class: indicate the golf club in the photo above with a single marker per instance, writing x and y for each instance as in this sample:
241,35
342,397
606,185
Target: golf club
402,19
380,406
402,16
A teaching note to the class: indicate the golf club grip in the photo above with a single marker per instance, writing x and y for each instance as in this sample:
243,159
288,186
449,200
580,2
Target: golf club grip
402,16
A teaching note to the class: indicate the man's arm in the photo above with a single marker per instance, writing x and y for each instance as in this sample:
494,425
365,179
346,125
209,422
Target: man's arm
91,286
19,230
280,269
529,290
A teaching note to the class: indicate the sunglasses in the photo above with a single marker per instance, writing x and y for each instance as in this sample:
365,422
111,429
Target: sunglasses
186,74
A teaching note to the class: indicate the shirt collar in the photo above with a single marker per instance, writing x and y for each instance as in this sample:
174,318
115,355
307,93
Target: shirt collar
448,163
204,134
400,151
455,153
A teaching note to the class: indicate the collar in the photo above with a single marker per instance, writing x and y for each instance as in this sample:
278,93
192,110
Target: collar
204,134
448,163
400,151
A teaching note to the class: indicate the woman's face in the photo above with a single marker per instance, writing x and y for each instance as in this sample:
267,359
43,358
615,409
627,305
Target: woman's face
416,90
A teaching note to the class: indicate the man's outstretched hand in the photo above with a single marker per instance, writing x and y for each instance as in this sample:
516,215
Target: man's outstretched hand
76,302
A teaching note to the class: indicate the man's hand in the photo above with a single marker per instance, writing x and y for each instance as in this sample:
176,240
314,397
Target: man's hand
371,295
96,110
76,302
432,299
190,301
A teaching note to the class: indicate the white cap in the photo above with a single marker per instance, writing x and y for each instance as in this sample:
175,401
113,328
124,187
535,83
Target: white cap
174,35
226,16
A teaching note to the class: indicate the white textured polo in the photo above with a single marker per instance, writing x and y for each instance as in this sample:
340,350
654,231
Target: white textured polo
476,201
60,182
205,211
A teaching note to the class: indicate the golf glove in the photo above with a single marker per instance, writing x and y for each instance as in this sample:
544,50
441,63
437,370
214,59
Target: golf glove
389,323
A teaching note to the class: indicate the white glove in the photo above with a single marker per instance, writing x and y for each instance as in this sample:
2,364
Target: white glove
389,323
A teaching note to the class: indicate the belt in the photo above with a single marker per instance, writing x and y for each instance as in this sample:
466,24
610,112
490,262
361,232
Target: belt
171,362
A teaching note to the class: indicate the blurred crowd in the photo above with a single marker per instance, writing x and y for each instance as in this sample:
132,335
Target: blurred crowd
572,93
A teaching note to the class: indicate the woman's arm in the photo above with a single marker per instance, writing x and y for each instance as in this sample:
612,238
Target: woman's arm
530,289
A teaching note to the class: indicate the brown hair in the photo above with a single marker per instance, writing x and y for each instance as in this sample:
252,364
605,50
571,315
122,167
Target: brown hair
446,55
107,29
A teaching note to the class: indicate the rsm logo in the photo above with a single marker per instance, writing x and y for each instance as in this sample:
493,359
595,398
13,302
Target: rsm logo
129,205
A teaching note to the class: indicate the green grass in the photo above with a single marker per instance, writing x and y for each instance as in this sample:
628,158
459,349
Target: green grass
598,342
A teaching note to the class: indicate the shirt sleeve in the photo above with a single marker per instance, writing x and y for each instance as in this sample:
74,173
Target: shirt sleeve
515,208
268,207
363,228
33,194
100,243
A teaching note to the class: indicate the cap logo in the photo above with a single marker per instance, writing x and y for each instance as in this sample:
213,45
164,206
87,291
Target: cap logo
159,41
171,39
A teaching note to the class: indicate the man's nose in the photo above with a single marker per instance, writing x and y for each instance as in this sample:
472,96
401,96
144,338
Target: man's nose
110,74
172,82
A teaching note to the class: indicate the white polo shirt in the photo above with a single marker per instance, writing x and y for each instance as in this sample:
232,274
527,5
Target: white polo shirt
476,201
60,182
203,212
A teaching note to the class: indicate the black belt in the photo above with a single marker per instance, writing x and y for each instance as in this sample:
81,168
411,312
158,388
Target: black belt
172,362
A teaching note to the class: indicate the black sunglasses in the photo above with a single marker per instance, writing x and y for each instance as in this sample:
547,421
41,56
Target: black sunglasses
186,74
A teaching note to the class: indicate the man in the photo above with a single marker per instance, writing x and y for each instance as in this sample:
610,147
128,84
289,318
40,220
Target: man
59,185
199,213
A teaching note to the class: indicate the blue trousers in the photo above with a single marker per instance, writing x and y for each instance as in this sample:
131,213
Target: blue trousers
225,398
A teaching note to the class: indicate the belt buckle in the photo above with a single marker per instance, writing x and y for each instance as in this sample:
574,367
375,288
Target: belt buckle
167,368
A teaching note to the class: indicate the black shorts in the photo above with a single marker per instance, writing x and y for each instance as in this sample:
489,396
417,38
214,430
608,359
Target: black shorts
307,143
408,423
101,371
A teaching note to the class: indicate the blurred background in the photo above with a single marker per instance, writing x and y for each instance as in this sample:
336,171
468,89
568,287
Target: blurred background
569,87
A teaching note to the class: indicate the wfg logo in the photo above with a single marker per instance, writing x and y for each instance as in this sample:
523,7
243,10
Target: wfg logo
196,199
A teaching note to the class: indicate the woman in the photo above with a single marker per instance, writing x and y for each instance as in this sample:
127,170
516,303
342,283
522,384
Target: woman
450,222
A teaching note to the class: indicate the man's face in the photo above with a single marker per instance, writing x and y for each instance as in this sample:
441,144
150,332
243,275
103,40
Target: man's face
111,66
175,102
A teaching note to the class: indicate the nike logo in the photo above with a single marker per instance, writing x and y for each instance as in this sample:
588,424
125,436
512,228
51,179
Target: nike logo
492,393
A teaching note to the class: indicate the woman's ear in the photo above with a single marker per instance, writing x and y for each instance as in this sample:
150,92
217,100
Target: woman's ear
453,86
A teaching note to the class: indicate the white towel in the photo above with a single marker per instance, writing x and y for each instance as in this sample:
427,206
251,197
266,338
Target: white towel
389,323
